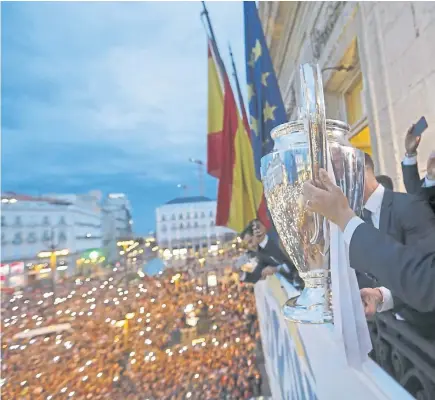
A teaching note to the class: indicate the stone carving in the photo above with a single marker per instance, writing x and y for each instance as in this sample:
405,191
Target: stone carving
320,35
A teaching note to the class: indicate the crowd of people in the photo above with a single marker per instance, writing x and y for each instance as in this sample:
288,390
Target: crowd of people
120,341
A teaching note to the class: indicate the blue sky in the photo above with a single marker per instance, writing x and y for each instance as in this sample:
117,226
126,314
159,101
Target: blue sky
109,96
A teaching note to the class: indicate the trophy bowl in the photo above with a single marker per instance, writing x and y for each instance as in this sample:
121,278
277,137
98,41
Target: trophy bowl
303,234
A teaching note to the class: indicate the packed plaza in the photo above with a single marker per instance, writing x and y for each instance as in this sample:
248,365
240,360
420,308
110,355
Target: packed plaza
119,341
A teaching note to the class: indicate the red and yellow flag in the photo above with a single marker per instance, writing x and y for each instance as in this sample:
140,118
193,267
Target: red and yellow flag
230,155
215,114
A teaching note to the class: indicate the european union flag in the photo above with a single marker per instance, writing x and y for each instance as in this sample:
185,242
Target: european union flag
266,107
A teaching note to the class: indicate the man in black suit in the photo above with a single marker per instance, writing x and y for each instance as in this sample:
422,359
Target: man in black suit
269,258
425,187
398,254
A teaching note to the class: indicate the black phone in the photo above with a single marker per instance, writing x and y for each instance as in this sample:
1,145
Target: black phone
419,127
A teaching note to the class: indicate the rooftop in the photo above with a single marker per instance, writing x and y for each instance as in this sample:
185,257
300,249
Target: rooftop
191,199
11,197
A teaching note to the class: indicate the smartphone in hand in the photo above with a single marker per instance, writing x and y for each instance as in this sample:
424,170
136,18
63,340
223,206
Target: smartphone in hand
419,127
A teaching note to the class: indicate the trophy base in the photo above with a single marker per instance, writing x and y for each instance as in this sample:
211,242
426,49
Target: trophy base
310,307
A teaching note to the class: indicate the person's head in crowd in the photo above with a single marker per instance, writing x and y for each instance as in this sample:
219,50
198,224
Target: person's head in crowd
253,234
370,181
385,181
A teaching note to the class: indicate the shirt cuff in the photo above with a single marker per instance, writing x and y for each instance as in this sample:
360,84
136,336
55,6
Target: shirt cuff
410,160
263,243
388,302
354,223
428,182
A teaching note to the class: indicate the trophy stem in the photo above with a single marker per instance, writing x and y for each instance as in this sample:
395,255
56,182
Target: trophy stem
313,305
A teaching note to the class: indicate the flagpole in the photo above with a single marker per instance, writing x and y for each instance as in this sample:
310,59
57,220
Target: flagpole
239,91
210,33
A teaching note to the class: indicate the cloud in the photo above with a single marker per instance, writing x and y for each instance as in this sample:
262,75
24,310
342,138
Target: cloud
95,89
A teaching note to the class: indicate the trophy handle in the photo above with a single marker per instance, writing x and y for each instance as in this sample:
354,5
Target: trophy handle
313,107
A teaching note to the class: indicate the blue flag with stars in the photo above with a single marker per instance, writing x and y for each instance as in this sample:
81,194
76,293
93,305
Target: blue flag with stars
266,108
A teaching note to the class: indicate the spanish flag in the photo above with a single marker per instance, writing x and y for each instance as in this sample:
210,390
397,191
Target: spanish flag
230,154
215,111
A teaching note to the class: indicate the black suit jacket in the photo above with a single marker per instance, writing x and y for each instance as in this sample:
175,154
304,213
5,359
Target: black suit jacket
401,254
270,255
413,184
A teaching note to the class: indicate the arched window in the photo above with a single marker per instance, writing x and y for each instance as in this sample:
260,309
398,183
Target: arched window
181,226
3,220
180,216
188,226
18,221
18,239
203,215
62,221
196,215
31,237
163,218
195,225
4,241
211,223
211,214
45,221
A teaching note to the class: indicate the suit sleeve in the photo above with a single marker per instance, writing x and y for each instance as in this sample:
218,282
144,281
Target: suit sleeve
418,222
408,271
411,178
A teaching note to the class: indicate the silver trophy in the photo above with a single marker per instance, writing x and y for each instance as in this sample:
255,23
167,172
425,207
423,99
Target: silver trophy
300,151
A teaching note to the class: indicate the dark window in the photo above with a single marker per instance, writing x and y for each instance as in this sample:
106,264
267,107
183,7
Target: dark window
62,221
46,221
181,226
211,214
202,215
17,221
173,217
3,220
46,236
3,239
163,218
195,225
211,223
188,225
17,239
31,237
196,215
180,216
62,237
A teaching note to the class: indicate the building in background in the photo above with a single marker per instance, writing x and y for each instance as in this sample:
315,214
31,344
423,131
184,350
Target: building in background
117,223
33,227
378,63
187,224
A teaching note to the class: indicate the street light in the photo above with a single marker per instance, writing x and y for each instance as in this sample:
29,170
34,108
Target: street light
200,165
185,188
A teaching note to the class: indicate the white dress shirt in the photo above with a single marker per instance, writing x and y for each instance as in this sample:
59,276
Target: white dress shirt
373,204
413,161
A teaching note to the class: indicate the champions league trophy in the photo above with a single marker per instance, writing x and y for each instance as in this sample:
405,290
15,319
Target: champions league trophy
301,148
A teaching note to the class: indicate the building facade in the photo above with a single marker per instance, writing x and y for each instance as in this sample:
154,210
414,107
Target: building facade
378,64
189,223
117,223
34,226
